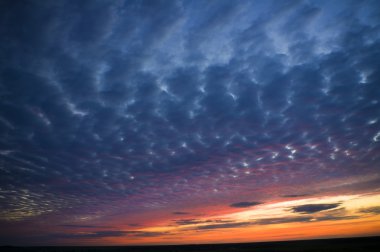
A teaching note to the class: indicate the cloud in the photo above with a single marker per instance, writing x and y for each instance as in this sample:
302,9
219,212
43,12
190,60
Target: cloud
190,221
82,226
370,210
336,218
314,208
93,235
245,204
148,234
270,221
134,225
107,234
180,213
301,219
126,107
185,222
223,225
296,195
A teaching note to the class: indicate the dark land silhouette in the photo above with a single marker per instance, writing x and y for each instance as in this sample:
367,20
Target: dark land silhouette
365,244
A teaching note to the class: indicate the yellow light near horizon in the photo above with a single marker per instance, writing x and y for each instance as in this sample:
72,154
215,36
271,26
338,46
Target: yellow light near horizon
361,224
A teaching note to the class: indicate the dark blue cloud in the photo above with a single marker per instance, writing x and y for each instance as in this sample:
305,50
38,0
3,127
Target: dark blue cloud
296,195
245,204
314,208
162,104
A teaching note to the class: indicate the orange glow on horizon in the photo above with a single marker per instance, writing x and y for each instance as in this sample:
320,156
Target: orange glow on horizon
349,219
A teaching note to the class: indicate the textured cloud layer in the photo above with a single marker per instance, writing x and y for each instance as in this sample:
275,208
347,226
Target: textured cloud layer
127,106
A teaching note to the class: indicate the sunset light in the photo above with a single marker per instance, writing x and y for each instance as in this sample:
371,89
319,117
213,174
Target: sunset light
190,122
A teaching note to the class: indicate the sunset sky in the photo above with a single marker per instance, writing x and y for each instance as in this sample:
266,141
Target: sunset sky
181,122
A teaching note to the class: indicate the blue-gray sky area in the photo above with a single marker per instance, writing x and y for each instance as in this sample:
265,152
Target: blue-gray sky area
126,108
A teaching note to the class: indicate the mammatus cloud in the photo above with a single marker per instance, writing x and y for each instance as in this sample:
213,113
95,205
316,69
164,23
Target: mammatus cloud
314,208
133,106
245,204
90,112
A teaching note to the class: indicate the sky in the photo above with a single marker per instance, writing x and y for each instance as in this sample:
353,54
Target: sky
177,122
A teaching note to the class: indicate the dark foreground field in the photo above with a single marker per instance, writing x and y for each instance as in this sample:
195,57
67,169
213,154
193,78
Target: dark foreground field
367,244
